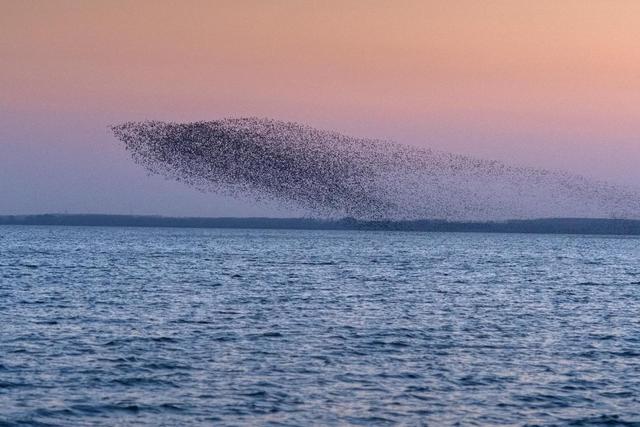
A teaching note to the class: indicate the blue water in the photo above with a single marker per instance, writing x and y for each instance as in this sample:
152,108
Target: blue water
143,326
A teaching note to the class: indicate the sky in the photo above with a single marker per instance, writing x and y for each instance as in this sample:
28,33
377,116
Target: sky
548,83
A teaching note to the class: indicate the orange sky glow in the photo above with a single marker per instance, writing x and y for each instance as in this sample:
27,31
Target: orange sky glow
549,83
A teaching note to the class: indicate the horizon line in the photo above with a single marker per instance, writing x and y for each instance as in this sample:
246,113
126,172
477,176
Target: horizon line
584,226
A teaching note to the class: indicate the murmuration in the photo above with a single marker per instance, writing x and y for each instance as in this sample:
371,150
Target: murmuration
330,174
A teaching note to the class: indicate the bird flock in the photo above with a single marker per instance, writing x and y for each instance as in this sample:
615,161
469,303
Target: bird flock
330,174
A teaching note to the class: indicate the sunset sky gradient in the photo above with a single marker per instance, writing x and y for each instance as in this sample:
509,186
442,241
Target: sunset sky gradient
552,84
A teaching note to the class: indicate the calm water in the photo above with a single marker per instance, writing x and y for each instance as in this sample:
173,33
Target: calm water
108,326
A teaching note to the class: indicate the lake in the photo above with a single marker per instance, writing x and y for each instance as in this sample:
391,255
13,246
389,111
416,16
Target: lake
169,326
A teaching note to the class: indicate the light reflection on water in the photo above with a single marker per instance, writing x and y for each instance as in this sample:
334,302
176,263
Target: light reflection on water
193,326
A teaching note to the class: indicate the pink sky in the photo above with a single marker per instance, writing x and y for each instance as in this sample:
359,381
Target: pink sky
552,84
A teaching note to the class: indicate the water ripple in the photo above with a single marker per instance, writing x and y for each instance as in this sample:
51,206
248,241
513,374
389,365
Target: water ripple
108,326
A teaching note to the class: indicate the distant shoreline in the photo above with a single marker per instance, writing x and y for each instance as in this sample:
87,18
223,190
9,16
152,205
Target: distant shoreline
601,226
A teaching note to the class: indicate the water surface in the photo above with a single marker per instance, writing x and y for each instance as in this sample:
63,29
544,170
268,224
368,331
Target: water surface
149,326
